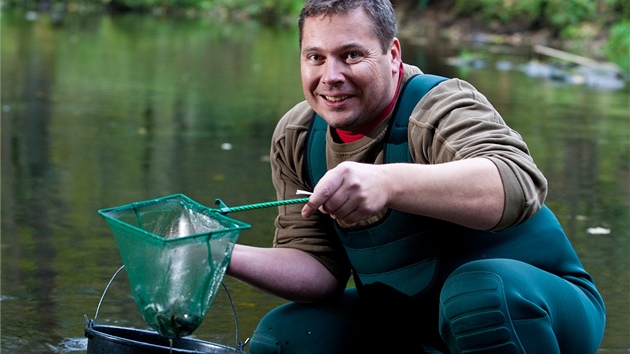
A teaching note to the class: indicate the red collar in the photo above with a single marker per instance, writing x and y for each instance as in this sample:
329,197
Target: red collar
352,136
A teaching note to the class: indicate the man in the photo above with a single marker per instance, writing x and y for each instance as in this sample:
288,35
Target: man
447,239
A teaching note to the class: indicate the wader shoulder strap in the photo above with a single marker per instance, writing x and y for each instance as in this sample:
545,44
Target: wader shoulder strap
396,148
316,151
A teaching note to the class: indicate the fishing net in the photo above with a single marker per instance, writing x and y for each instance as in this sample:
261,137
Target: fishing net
175,252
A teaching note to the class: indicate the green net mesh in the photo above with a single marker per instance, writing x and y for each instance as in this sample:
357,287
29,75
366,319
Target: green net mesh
175,252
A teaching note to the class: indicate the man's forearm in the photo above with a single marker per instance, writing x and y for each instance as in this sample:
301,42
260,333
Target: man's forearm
467,192
285,272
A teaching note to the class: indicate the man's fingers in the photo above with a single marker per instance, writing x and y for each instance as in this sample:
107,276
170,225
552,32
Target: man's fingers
308,210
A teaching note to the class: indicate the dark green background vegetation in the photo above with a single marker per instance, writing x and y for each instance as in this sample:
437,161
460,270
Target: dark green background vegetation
598,27
572,21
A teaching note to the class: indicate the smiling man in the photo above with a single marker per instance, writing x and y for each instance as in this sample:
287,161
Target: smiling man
424,196
348,76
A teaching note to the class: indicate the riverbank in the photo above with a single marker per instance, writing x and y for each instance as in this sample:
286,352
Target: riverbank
418,25
543,59
446,25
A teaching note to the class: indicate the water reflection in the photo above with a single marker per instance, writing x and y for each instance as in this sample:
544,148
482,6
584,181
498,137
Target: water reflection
106,111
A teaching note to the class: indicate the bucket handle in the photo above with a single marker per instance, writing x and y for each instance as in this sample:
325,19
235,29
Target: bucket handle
239,344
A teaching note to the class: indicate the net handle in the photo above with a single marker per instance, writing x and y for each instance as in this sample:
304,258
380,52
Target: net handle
224,209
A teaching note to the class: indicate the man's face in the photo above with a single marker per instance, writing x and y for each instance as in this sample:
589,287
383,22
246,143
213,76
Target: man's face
346,77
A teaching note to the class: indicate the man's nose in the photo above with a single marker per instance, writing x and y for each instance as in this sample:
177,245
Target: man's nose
333,72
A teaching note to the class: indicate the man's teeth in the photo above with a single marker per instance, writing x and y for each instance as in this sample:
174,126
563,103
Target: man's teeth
336,98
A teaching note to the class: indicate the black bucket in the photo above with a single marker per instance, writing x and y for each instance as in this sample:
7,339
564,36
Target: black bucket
119,340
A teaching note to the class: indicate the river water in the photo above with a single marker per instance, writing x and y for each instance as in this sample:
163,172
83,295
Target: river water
103,111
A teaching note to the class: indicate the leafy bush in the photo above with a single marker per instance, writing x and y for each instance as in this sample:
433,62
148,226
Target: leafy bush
530,14
504,11
618,45
261,9
563,13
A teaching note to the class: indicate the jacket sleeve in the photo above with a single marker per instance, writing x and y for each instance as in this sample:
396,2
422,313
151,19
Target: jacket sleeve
454,121
315,235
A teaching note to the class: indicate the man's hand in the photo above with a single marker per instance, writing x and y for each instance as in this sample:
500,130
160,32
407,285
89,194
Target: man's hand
350,192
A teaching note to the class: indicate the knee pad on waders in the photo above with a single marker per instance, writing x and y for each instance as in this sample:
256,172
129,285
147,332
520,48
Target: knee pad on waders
474,317
265,339
264,343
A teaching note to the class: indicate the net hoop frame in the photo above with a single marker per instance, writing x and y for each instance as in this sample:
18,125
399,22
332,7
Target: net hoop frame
197,207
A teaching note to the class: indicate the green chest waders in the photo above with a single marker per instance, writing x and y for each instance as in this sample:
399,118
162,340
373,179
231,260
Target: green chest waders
407,252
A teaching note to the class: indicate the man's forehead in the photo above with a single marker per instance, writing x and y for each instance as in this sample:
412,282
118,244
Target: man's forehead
325,18
338,27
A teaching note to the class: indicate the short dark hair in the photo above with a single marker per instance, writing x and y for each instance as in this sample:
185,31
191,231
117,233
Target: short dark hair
381,12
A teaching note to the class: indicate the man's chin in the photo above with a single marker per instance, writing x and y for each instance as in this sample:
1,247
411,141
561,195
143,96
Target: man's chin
338,121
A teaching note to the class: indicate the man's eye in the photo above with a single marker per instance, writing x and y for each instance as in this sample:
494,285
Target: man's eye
314,57
354,56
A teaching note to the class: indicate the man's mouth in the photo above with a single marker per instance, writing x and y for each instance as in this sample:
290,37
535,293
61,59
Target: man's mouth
336,98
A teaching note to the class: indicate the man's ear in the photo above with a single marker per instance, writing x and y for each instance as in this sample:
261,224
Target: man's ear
396,54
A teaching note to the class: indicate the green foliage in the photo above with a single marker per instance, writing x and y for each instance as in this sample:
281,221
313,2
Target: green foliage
503,11
562,13
620,8
618,45
267,10
579,21
556,14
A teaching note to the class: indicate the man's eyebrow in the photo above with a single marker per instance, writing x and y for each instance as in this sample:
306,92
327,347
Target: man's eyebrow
343,48
310,49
